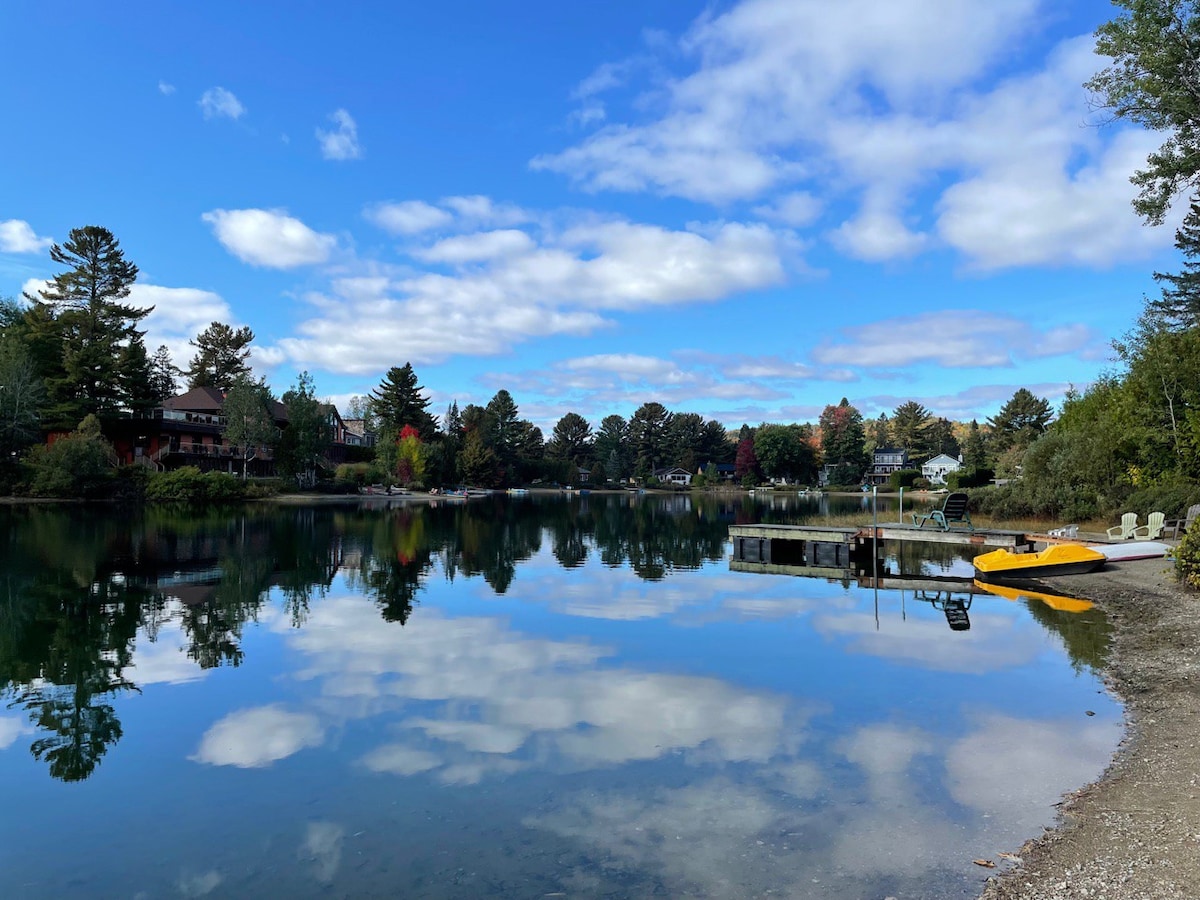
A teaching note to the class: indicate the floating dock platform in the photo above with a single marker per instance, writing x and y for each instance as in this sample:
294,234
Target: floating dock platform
820,546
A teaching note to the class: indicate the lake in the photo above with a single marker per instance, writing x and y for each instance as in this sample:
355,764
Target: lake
517,697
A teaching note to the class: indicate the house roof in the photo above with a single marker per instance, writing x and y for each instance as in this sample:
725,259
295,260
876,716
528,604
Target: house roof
211,400
670,470
201,399
942,459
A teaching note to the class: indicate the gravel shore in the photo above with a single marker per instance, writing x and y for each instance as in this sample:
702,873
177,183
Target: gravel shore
1136,832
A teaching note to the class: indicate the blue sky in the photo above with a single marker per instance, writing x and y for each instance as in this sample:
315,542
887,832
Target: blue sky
746,210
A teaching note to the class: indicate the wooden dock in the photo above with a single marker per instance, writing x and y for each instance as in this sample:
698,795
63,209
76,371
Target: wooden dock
825,547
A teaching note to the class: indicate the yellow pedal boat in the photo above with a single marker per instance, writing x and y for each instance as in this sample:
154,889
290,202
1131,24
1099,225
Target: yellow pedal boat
1057,559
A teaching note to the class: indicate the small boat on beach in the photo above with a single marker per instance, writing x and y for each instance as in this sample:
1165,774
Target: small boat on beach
1057,559
1133,550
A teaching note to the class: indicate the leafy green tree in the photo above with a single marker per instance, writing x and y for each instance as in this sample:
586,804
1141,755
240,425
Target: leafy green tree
306,441
21,395
78,465
221,354
648,433
1020,421
164,375
250,426
400,401
784,451
571,439
95,326
843,441
1154,80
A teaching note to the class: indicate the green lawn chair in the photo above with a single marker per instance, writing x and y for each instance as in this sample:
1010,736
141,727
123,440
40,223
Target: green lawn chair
954,509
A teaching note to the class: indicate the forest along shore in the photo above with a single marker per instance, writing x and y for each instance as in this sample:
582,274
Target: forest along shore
1136,832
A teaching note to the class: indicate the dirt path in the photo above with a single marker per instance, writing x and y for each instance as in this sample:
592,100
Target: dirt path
1136,833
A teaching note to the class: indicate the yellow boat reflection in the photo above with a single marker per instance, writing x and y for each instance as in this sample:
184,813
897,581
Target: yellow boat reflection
1054,601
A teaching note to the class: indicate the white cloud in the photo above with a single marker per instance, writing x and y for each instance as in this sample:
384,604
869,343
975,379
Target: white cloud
217,102
953,338
480,247
18,236
254,738
179,314
478,211
506,287
796,209
165,89
12,728
892,105
407,217
269,237
340,142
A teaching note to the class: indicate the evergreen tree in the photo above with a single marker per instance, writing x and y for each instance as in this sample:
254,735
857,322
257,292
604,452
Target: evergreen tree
685,441
974,453
96,327
881,432
136,375
1020,421
715,446
910,430
164,375
648,430
399,401
1179,304
942,438
502,431
571,439
221,354
611,447
477,463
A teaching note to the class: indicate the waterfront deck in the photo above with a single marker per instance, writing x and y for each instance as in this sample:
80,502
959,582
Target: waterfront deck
822,546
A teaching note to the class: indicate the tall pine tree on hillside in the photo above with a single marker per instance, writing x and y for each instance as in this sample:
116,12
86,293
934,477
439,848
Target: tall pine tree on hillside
221,354
97,328
399,401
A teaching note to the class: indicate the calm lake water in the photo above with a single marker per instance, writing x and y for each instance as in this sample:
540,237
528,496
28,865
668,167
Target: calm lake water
515,697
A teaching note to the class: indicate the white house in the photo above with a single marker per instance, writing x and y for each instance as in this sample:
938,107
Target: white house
673,475
935,470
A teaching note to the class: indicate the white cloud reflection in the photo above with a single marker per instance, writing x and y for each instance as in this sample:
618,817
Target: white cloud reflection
257,737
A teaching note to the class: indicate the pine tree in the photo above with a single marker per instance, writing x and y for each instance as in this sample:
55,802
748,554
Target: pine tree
221,354
843,441
648,430
1022,419
399,401
96,327
571,439
1179,304
164,375
910,429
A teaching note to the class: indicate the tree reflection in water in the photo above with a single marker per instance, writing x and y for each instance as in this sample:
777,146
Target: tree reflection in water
77,585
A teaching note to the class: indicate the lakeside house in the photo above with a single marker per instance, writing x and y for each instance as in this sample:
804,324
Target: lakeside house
673,475
885,461
935,470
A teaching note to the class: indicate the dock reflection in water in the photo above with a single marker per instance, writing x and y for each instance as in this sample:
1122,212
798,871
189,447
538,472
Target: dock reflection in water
513,698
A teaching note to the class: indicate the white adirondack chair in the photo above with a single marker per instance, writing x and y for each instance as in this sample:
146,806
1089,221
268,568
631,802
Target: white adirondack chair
1124,531
1152,529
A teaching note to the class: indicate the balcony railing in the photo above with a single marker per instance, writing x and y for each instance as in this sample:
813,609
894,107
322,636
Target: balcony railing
223,451
194,418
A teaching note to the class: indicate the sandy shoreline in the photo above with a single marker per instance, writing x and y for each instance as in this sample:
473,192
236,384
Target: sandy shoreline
1136,832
